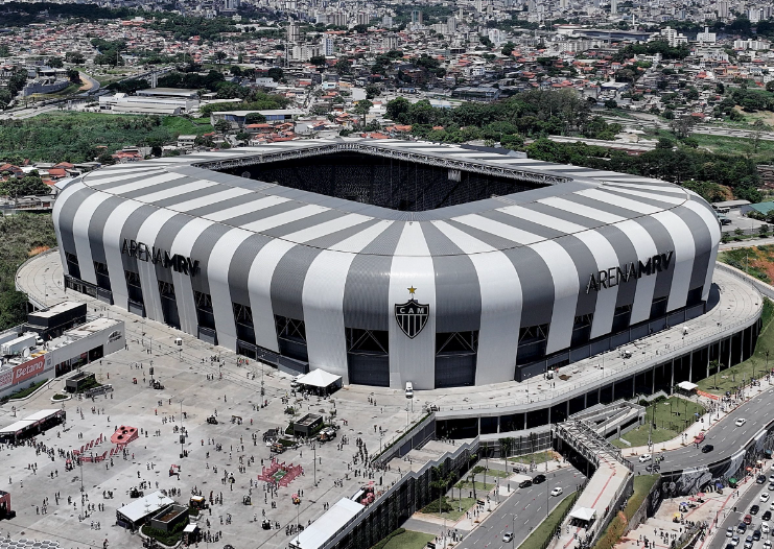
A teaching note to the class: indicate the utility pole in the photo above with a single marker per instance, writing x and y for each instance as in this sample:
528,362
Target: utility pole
314,463
182,433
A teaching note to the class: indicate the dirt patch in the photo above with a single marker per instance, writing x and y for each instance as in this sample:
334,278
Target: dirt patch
40,249
766,116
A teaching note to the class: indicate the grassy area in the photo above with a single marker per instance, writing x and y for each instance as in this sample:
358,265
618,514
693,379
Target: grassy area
757,261
22,393
737,146
755,366
408,539
187,126
540,536
453,508
77,136
465,485
539,457
671,417
496,473
642,485
23,236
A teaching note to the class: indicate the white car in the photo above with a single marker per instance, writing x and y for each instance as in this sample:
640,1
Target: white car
557,491
730,532
765,527
508,537
645,457
767,544
739,422
764,497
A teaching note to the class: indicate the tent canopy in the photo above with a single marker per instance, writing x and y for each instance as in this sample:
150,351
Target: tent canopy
319,378
687,386
328,525
144,507
585,514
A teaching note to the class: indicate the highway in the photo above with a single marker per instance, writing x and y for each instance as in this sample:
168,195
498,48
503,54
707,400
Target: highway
724,436
523,511
743,504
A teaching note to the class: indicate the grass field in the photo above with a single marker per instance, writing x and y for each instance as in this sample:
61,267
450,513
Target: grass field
187,126
409,540
539,457
755,366
496,473
547,528
457,508
671,417
480,486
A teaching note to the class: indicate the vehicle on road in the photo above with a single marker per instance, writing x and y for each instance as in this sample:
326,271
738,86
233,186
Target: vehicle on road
557,491
735,541
707,448
767,544
645,457
748,543
766,516
756,535
742,528
537,479
771,486
765,528
739,422
761,479
508,537
525,483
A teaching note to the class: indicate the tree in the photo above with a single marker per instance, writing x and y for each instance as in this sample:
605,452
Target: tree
317,60
74,76
222,126
611,104
220,56
372,90
55,62
29,185
342,66
255,118
769,85
664,143
275,73
682,126
441,482
397,108
362,107
4,51
477,470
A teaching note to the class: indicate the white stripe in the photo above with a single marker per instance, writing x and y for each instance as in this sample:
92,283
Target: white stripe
323,301
80,227
176,191
682,259
148,233
618,201
497,228
605,257
646,285
652,196
581,209
412,359
326,228
95,179
543,219
284,218
248,207
210,199
501,302
566,287
145,183
183,245
714,229
111,239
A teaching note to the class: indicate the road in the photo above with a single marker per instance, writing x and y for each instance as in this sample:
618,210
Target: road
522,511
742,506
726,437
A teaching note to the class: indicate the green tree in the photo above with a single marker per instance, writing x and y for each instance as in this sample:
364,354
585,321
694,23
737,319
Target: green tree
317,60
29,185
74,76
769,85
343,66
222,126
220,56
362,107
255,118
477,470
611,104
397,108
4,51
55,62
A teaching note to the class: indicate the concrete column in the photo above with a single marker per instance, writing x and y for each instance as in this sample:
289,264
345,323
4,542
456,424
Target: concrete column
478,419
653,380
690,367
672,382
549,415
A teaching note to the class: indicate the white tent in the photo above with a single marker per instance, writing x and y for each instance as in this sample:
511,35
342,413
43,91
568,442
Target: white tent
687,386
142,508
320,379
585,514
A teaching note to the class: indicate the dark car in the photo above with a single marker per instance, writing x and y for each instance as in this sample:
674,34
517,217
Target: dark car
748,518
754,510
761,479
765,517
756,535
537,479
707,448
525,483
742,528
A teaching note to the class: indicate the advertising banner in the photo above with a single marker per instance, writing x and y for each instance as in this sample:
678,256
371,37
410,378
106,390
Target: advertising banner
23,372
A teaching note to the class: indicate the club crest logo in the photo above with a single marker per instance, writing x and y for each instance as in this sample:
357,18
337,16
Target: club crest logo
412,316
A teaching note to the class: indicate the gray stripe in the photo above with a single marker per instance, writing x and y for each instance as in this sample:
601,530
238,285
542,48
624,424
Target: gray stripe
67,218
164,241
528,226
664,244
174,200
367,289
301,224
125,180
642,199
457,290
586,265
565,215
97,224
537,286
129,232
602,206
222,205
241,263
201,250
703,240
156,188
488,238
287,283
330,240
626,254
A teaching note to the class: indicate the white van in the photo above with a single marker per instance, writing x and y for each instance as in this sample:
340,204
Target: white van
409,390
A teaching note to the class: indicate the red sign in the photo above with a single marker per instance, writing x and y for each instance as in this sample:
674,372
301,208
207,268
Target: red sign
29,369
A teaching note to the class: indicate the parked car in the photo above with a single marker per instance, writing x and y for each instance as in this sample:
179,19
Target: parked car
767,544
754,510
756,535
730,532
742,528
761,479
765,528
735,541
748,518
537,479
766,516
707,448
764,497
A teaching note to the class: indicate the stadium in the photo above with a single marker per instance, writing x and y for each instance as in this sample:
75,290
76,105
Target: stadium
386,262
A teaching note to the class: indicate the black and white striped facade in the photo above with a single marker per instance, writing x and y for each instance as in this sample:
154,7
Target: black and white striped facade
513,284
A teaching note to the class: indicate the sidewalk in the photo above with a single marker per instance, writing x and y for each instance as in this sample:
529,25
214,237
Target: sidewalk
705,423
